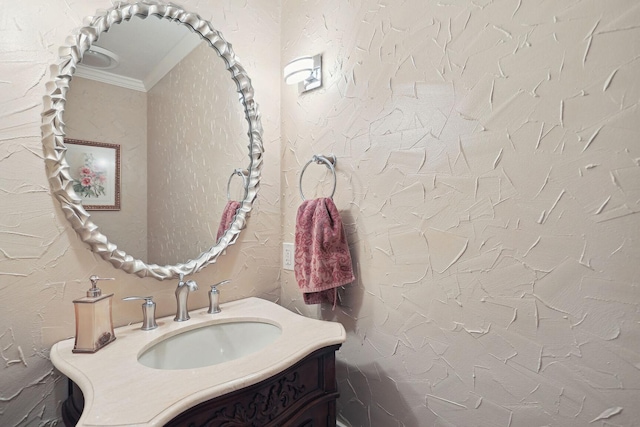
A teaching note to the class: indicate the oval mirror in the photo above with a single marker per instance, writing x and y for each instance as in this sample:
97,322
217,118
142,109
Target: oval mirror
172,128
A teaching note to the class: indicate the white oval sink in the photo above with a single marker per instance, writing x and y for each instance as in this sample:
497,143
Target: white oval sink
210,345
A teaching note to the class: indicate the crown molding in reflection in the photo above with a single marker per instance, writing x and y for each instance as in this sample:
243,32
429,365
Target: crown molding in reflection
173,58
110,78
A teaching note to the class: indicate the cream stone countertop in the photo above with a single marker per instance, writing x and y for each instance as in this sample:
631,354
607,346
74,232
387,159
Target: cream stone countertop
120,391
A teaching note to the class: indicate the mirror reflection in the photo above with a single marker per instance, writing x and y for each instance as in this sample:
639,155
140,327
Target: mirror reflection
156,89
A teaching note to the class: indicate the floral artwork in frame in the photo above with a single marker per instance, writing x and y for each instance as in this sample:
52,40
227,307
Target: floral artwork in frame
95,170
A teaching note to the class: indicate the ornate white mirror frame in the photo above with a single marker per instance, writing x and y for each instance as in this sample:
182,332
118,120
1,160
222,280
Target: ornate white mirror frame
54,147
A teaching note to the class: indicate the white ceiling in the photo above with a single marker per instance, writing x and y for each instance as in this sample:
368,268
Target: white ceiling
147,49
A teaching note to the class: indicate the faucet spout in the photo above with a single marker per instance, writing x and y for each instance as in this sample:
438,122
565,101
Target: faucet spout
182,295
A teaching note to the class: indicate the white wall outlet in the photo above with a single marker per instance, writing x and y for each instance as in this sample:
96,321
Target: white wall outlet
287,256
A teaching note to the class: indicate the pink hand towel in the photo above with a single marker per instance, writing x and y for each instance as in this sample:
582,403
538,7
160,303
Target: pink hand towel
322,258
227,217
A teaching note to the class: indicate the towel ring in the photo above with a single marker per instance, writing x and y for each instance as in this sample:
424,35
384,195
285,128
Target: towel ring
239,172
329,161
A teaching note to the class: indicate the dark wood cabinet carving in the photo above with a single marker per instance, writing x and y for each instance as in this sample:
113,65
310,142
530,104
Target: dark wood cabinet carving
303,395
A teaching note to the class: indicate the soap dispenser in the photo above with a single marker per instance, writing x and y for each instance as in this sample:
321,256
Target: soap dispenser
94,323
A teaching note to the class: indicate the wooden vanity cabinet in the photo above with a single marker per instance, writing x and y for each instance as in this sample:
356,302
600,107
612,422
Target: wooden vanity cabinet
303,395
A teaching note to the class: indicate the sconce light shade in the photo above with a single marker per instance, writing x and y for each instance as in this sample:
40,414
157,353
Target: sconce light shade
298,70
306,71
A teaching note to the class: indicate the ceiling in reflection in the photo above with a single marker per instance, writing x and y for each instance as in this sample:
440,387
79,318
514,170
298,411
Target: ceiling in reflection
160,45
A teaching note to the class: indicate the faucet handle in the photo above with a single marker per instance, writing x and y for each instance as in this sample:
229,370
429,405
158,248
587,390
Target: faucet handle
214,287
148,312
214,297
147,300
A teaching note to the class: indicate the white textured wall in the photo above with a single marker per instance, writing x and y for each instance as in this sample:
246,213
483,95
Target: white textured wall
488,176
102,112
43,264
197,137
489,179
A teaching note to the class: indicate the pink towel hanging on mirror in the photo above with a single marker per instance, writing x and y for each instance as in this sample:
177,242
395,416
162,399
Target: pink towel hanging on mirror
322,258
227,217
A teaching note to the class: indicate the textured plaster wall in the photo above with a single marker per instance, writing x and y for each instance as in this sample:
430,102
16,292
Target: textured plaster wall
43,264
489,179
105,113
197,137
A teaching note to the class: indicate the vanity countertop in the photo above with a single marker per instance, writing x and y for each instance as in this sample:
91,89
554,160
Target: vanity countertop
118,390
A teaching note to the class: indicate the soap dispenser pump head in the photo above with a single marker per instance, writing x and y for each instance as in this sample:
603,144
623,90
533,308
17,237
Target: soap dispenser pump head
95,291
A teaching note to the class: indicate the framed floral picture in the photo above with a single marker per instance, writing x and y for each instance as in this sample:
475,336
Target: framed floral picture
95,170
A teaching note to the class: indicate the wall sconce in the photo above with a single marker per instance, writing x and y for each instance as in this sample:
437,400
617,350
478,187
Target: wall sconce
306,71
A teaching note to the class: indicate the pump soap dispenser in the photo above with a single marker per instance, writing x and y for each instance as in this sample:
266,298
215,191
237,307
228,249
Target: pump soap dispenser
94,324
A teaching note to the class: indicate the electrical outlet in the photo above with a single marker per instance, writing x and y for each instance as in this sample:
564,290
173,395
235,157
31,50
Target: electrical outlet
287,256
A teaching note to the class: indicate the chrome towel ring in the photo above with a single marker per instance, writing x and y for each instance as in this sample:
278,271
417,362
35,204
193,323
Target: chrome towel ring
329,161
239,172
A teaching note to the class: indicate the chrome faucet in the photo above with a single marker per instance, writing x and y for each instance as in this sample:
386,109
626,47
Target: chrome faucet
182,294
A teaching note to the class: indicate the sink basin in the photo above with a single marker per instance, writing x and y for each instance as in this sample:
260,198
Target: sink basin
210,345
